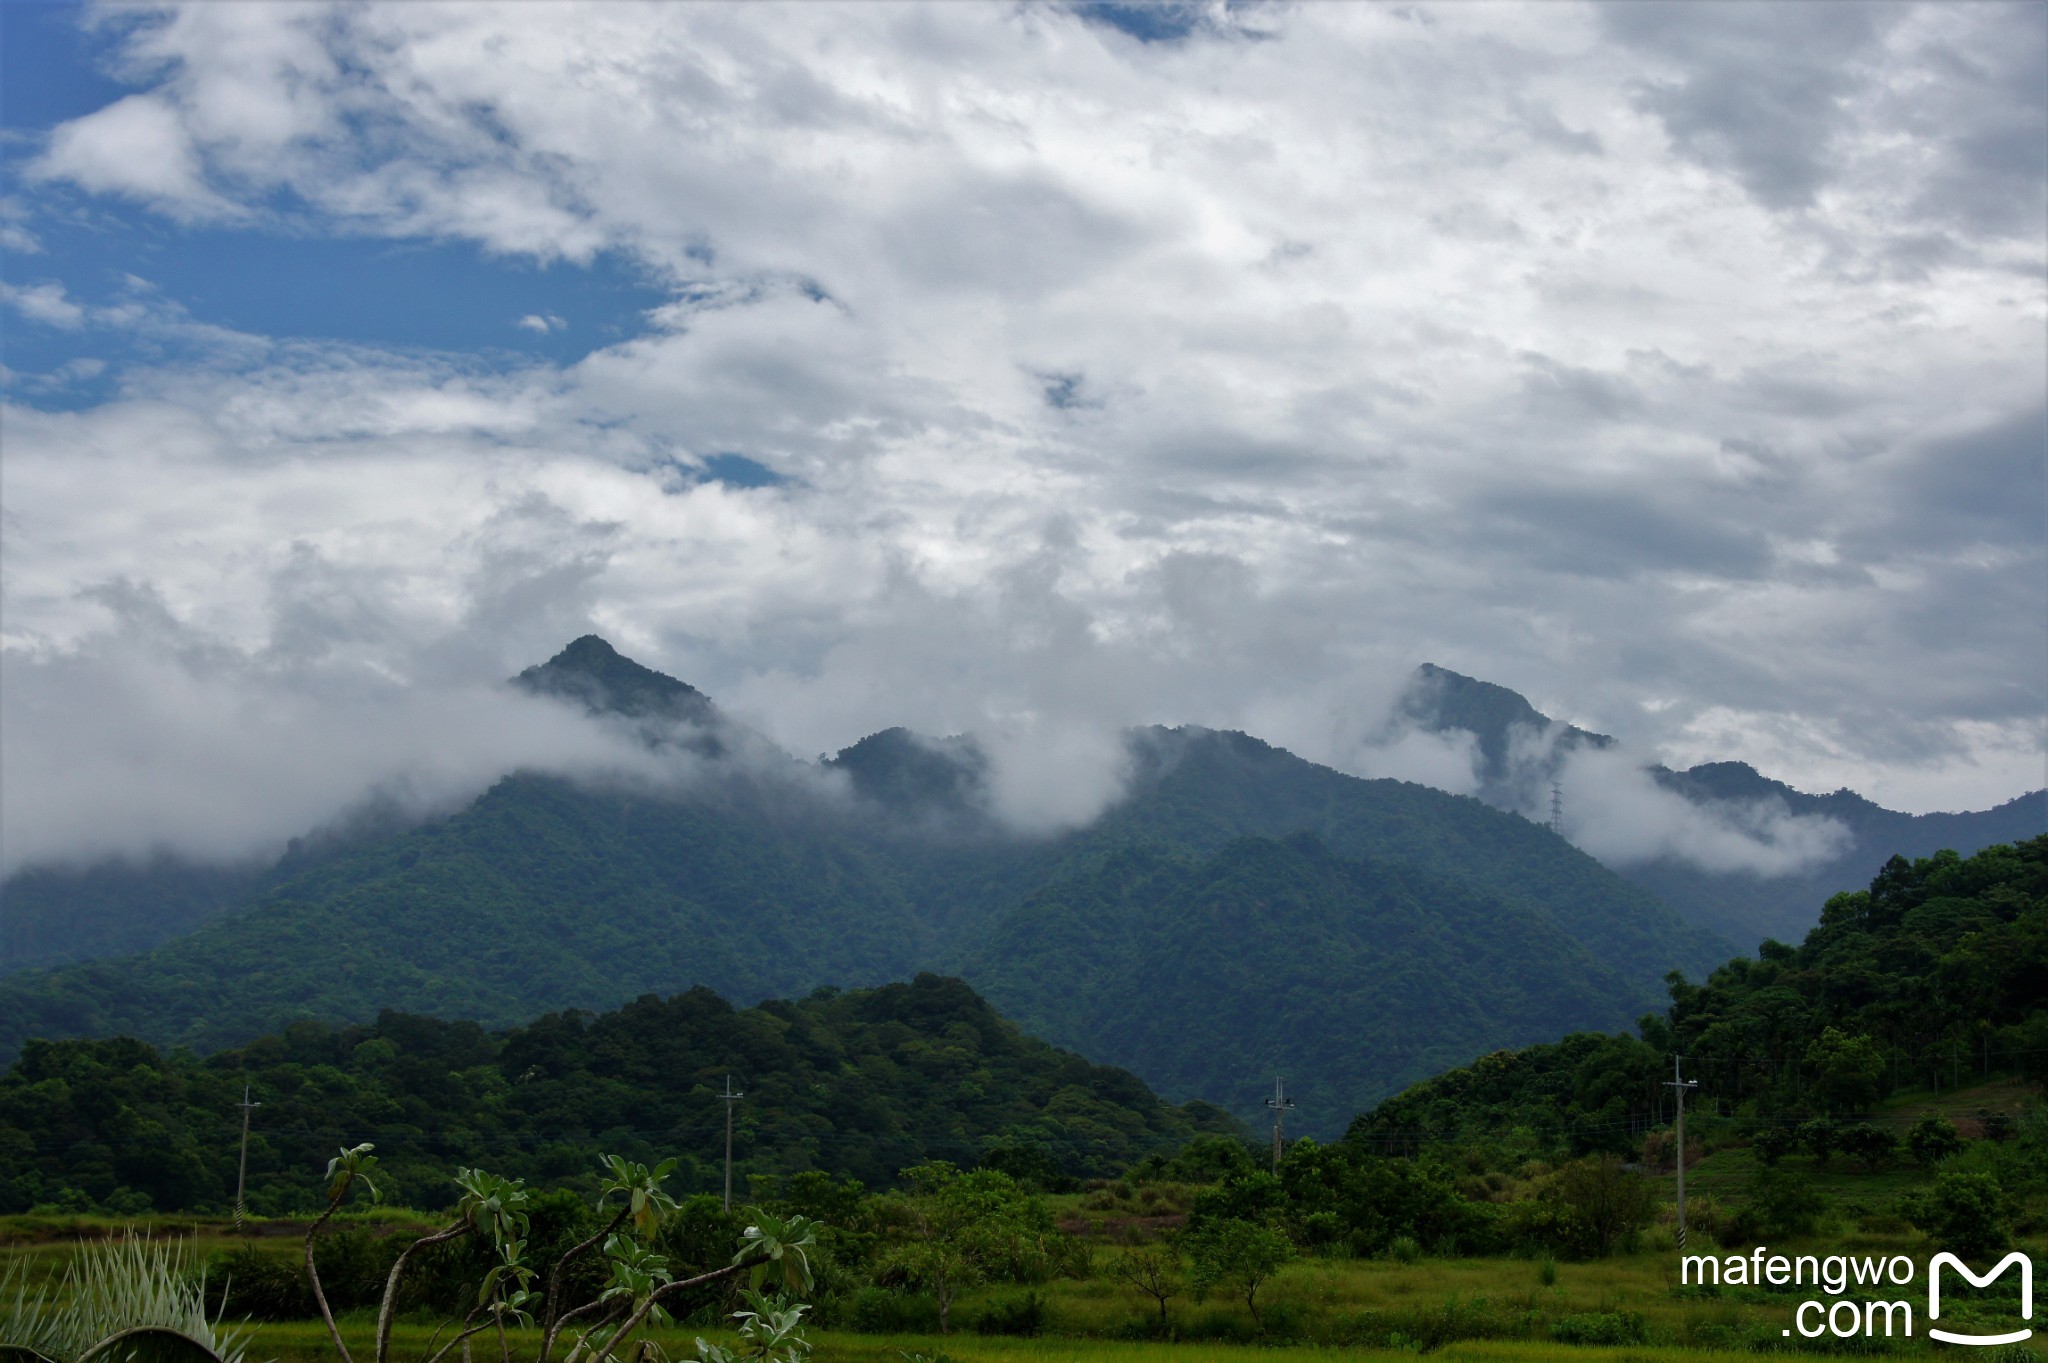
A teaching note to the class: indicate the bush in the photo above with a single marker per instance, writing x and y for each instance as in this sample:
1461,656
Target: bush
878,1311
1780,1203
1404,1249
1965,1213
1773,1143
1660,1151
1600,1327
260,1286
1600,1207
1872,1145
1933,1139
1817,1137
1024,1316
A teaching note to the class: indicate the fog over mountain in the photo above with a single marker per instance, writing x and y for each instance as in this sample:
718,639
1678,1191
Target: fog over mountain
1021,370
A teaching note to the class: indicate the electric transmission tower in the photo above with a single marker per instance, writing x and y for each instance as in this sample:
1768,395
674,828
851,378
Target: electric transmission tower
1556,824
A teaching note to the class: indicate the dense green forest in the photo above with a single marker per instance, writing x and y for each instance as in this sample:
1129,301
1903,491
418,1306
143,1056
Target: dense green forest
862,1084
1935,976
1418,971
765,877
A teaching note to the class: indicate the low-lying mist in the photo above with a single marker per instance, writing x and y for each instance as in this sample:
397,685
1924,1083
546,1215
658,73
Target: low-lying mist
150,737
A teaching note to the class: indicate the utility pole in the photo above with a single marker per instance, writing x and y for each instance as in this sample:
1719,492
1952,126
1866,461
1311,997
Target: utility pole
730,1098
242,1172
1679,1084
1281,1105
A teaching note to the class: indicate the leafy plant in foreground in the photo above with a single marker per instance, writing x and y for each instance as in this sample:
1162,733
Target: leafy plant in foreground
130,1292
773,1252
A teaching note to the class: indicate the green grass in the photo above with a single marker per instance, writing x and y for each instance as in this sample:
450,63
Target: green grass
1456,1309
306,1342
1431,1303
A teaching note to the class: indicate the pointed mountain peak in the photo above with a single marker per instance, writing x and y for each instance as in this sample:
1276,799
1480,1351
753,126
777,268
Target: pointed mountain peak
1443,701
603,680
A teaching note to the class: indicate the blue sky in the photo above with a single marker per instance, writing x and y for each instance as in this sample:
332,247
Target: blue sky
288,278
1029,368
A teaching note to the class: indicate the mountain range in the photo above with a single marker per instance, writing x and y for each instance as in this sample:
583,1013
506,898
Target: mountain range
1238,912
1259,912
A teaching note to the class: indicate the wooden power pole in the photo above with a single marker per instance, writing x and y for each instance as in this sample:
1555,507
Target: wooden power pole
1281,1105
1678,1085
242,1170
730,1098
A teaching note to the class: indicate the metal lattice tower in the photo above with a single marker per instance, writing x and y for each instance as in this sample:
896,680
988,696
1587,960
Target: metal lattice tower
1556,824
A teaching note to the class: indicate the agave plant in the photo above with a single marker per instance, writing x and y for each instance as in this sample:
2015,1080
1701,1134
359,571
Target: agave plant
131,1300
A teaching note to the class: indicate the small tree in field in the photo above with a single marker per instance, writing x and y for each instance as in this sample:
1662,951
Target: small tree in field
1238,1254
1602,1206
956,1229
1154,1271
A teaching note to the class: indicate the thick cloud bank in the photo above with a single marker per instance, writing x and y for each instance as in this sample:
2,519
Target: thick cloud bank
134,744
1680,366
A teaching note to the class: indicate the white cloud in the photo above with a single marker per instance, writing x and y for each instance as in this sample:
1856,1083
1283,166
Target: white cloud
1218,381
1619,813
141,147
45,303
150,736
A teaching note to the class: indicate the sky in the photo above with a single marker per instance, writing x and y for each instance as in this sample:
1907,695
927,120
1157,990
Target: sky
1030,369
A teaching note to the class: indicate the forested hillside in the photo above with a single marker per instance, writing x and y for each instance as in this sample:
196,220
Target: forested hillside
1933,977
863,1084
760,879
1413,969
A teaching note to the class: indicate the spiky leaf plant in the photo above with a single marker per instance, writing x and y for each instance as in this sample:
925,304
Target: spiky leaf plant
131,1300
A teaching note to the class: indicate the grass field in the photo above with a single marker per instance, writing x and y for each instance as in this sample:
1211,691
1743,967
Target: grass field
306,1343
1454,1309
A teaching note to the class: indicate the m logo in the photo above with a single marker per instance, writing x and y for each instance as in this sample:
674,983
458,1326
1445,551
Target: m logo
2026,1296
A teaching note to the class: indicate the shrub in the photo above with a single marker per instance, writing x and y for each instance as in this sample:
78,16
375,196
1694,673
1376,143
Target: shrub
260,1286
1600,1327
1872,1145
878,1311
1660,1151
1966,1213
1817,1137
1933,1139
1780,1203
1773,1143
1023,1315
1404,1249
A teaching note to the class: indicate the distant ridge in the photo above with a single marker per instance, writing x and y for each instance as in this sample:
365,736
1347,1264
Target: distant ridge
1740,905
